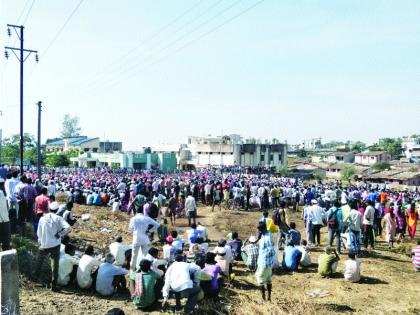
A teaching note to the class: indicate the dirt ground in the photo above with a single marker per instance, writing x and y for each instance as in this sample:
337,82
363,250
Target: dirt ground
389,284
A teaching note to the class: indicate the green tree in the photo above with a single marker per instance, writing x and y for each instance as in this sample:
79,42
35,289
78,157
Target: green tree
283,171
57,160
347,173
11,148
381,166
70,126
318,175
358,147
392,146
413,169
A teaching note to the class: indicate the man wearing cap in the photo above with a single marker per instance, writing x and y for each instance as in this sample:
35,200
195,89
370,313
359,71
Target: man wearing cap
51,229
249,253
110,277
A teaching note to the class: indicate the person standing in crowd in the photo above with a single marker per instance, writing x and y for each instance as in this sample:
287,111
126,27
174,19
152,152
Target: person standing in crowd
316,216
141,225
191,209
368,221
335,225
51,229
390,228
41,206
265,261
4,223
354,223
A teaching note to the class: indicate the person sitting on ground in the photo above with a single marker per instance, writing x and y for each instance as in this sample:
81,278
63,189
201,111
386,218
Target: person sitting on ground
204,246
163,231
305,261
203,231
183,279
235,245
293,235
68,264
223,244
67,215
415,253
143,285
223,262
110,277
213,269
157,264
178,242
352,268
121,252
291,257
193,234
249,253
327,262
169,250
87,270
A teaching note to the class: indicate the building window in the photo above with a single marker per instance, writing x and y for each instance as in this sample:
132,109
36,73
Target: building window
262,158
95,150
271,157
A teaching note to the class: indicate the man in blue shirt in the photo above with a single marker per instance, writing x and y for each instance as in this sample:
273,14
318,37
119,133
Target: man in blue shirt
291,257
110,277
293,235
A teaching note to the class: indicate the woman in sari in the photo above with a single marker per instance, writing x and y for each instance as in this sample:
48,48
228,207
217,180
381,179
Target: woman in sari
390,228
412,217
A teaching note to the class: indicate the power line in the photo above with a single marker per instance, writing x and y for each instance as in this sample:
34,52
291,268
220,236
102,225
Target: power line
122,59
174,42
29,11
191,42
23,11
62,28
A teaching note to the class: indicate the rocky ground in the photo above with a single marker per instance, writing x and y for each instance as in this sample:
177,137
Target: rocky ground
389,284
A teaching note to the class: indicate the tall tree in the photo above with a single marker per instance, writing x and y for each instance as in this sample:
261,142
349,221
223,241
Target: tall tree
11,148
70,126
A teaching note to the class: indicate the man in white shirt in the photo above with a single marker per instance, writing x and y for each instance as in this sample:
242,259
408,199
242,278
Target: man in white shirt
141,226
51,229
354,222
178,280
368,220
4,223
68,262
207,191
119,251
88,266
203,231
169,250
316,216
352,268
10,185
305,261
110,277
190,209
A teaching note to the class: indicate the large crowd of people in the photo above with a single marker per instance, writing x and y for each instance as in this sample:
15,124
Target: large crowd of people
159,264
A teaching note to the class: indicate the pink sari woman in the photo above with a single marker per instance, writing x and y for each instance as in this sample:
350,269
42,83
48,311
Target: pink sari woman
390,228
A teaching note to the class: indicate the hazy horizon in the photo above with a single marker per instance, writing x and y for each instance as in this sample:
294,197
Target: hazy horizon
155,72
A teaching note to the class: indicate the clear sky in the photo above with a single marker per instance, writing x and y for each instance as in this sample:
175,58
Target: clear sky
155,71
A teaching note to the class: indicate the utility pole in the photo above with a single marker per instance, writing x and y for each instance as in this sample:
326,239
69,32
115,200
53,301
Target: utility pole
1,139
21,59
38,155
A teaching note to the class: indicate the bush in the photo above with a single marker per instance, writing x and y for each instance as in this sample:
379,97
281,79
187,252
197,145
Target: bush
347,173
57,160
381,166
